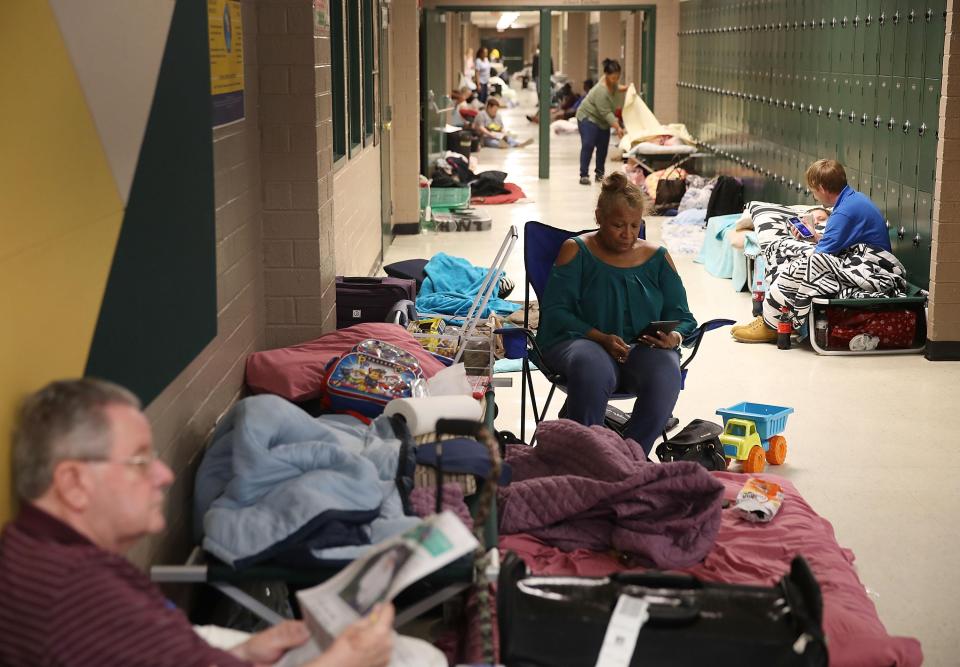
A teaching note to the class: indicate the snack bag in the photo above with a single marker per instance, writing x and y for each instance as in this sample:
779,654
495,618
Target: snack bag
758,500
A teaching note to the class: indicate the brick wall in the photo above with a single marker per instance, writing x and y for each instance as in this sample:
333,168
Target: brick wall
185,413
298,250
944,324
356,211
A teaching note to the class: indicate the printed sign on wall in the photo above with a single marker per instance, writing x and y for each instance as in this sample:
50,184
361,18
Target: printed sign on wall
225,28
321,18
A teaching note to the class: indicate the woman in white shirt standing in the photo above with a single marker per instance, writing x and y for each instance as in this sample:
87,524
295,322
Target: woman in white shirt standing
481,68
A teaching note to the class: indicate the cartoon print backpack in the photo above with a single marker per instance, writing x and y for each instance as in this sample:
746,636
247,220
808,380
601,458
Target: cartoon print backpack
369,376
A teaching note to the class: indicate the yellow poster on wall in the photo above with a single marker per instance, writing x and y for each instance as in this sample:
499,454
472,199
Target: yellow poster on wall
225,29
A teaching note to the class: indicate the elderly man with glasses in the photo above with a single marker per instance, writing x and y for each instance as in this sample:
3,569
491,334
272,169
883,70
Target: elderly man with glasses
91,486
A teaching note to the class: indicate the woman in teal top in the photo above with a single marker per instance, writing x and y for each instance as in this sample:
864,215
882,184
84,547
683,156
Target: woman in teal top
605,288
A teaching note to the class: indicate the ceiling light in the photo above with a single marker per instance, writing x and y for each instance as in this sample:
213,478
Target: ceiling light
506,20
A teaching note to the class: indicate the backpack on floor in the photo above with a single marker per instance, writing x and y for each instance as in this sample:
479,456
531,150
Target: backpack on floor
369,376
699,441
726,198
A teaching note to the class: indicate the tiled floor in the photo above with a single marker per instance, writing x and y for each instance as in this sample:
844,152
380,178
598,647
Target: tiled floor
872,445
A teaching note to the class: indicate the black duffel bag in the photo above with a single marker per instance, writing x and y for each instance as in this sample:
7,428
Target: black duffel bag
561,621
699,441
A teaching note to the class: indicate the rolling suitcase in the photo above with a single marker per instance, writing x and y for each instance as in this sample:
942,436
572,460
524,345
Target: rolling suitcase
364,299
554,621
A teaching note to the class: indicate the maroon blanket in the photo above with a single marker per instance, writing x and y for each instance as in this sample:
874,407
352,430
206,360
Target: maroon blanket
587,488
760,554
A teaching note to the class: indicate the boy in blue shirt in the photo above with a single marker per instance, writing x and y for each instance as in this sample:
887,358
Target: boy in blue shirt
855,219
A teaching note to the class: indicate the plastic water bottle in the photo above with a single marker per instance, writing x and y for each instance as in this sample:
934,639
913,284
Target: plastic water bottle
784,329
758,296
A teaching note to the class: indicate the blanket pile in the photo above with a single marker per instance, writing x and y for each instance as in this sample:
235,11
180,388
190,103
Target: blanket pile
277,484
587,488
451,285
796,274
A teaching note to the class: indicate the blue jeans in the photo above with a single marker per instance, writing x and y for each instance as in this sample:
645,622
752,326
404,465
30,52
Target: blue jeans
592,137
592,375
482,92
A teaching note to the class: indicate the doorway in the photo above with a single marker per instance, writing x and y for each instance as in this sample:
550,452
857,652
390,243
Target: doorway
434,54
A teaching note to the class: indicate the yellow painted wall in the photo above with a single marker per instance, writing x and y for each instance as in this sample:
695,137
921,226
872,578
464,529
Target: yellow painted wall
60,214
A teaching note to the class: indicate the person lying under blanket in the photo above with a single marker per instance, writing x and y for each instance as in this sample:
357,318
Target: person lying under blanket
605,288
91,488
854,221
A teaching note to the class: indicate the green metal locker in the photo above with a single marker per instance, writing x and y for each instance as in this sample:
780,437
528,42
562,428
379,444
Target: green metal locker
901,36
922,240
892,212
881,136
851,125
853,178
908,220
857,37
869,11
868,97
927,134
915,36
934,29
887,38
909,128
898,88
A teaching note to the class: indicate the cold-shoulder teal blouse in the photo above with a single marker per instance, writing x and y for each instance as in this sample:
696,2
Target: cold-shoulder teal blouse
587,293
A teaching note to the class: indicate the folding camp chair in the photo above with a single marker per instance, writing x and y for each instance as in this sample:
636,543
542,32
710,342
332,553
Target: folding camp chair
541,245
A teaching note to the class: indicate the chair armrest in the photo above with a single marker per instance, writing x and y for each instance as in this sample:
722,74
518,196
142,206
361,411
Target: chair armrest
696,337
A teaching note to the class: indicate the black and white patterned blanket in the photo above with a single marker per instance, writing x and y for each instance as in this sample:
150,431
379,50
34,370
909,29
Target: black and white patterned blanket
795,274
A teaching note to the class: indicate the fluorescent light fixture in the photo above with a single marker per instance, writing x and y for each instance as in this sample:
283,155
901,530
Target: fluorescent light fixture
506,20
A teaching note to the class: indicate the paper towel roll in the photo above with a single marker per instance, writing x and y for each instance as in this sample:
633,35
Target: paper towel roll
422,413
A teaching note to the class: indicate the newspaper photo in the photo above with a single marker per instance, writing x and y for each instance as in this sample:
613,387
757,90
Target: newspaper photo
382,574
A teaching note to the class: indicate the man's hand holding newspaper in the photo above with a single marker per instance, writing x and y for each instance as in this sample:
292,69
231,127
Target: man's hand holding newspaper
364,588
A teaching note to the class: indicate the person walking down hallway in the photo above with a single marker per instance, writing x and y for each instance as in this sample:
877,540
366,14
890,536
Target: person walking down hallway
596,115
481,72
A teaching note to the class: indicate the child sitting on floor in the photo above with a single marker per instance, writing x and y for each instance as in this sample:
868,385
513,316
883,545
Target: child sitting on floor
493,133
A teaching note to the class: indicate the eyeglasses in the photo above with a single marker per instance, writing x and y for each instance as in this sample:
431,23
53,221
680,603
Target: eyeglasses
141,462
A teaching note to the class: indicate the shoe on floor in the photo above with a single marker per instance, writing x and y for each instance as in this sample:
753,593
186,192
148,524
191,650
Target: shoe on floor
735,327
525,142
756,332
584,180
599,178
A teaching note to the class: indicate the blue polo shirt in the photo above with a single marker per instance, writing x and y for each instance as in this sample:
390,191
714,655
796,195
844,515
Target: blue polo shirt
855,219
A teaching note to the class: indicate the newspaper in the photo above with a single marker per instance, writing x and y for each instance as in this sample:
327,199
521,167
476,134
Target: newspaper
379,576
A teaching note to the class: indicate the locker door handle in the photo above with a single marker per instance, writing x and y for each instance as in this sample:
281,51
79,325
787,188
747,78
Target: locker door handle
819,111
856,21
868,20
922,130
916,240
876,122
843,22
883,18
912,16
929,15
906,127
896,17
891,123
840,114
852,117
863,120
901,233
833,22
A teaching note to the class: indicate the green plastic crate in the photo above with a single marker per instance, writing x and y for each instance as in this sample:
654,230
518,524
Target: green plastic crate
445,198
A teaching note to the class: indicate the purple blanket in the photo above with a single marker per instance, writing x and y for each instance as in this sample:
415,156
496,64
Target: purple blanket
586,487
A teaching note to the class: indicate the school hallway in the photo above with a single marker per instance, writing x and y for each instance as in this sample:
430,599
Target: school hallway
870,445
